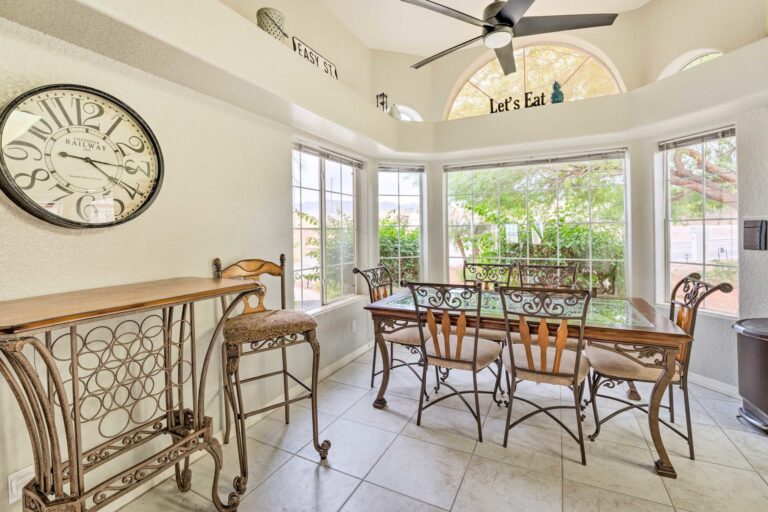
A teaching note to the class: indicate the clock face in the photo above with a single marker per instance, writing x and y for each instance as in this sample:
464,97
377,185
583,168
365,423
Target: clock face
77,157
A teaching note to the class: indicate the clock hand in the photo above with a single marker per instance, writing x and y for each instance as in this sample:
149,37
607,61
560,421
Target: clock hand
125,186
64,154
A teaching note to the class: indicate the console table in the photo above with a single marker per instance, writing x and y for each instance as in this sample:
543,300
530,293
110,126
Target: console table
101,373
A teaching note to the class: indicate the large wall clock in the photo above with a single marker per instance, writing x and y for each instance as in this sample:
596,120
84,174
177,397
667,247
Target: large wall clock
78,157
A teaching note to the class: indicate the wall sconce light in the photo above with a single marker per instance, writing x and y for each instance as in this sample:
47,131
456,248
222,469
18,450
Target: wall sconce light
382,102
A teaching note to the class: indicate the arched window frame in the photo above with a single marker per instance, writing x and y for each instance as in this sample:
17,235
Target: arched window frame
565,41
411,112
683,61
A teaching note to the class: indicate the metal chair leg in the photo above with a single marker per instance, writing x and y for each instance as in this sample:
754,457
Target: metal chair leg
477,409
688,426
577,394
322,448
227,408
511,394
373,368
285,387
423,391
593,398
671,403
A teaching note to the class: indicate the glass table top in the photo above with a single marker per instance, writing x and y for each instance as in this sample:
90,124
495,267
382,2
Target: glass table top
602,310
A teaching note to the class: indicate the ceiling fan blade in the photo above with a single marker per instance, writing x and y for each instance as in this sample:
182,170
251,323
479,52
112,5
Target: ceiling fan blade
506,56
531,25
515,9
446,52
447,11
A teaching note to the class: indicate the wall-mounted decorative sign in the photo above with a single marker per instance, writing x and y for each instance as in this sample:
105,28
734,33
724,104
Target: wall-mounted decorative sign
511,103
272,22
311,56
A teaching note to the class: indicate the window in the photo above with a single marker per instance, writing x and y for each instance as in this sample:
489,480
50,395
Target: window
400,221
702,214
580,75
565,211
323,227
701,60
406,113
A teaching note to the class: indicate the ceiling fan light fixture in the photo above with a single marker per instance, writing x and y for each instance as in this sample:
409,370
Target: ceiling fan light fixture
499,37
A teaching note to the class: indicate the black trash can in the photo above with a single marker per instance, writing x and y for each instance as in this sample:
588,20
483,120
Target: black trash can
753,370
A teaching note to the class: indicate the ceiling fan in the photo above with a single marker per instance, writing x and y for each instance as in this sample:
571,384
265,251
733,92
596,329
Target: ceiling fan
504,20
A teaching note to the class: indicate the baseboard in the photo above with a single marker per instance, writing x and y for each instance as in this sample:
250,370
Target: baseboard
714,385
164,476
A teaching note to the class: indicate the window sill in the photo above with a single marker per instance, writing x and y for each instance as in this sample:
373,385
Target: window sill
322,310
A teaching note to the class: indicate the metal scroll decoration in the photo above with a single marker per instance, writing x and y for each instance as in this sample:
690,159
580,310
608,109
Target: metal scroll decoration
487,273
444,296
545,303
549,276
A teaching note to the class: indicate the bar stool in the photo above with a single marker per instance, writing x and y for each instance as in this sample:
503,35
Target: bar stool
257,330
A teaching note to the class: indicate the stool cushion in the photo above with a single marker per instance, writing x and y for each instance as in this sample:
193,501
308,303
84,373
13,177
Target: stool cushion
266,325
567,363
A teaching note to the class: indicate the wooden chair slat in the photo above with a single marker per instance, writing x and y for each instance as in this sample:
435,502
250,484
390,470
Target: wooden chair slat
525,337
461,329
543,340
446,326
432,324
384,292
560,342
684,319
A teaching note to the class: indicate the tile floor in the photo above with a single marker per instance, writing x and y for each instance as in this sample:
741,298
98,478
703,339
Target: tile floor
381,461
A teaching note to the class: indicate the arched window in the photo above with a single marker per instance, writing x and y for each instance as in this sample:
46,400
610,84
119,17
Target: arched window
580,74
406,113
702,59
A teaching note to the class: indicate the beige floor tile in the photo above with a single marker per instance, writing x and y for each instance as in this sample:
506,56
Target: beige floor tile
165,497
354,374
447,427
393,417
623,428
335,398
725,413
584,498
753,446
535,448
520,409
404,383
541,390
263,460
301,486
365,358
424,471
357,447
702,486
706,393
614,467
372,498
492,486
273,431
711,444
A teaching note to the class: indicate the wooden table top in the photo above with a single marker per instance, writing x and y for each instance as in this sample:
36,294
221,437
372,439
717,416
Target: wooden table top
50,311
643,324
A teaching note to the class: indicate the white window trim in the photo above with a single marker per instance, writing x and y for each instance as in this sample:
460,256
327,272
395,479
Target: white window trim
357,167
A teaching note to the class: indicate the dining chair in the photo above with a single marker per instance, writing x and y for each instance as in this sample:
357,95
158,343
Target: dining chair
490,276
380,286
440,307
547,276
547,360
610,367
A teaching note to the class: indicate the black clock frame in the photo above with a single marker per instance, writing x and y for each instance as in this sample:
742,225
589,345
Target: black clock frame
21,200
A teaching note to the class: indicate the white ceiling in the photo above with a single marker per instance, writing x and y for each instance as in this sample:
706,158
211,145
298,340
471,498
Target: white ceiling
399,27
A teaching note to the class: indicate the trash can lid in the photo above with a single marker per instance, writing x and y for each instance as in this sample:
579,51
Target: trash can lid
756,327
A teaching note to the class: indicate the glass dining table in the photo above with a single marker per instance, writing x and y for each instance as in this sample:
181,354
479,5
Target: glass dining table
629,326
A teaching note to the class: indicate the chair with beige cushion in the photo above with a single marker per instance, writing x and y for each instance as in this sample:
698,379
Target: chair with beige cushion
380,286
449,341
546,311
255,331
610,367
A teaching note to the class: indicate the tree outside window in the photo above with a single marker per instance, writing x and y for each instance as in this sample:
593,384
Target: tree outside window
400,222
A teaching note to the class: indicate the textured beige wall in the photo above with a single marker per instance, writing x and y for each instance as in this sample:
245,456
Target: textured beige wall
226,193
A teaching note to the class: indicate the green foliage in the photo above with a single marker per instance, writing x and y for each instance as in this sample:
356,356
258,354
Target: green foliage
542,214
399,247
